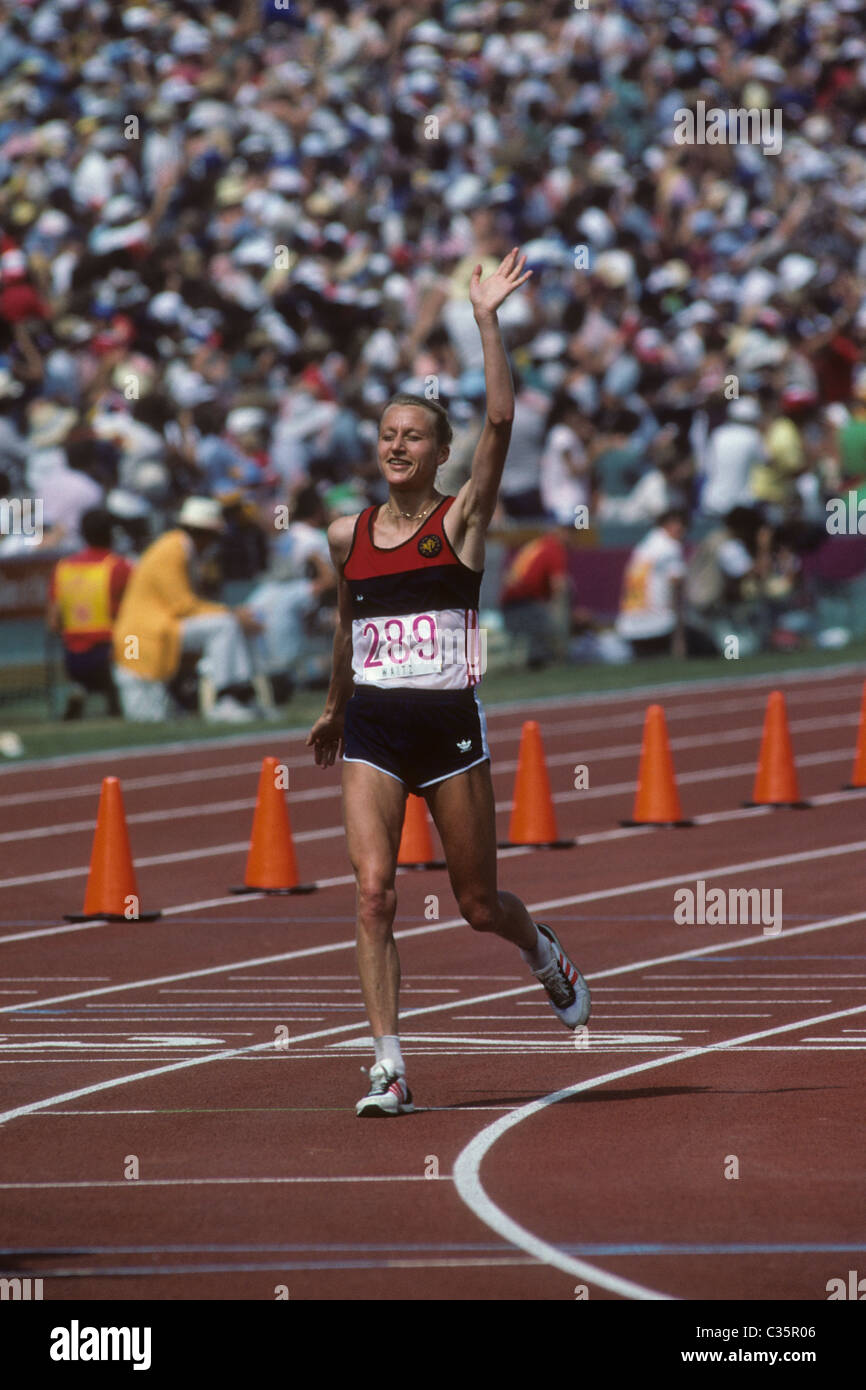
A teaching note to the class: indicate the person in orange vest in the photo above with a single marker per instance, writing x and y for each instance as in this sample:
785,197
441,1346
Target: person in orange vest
83,600
163,616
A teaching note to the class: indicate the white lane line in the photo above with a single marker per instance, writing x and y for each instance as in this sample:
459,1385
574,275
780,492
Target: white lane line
501,766
841,692
715,774
797,676
467,1177
221,808
451,1004
165,779
199,906
597,895
333,832
135,818
130,1183
689,741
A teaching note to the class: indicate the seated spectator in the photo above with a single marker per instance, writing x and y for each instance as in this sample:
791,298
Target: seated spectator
299,577
725,583
83,600
536,597
162,616
665,485
651,606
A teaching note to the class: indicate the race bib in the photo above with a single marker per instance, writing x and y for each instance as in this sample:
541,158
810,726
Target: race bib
391,648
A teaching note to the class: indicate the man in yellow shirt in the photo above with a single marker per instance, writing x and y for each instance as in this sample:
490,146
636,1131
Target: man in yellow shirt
162,616
774,481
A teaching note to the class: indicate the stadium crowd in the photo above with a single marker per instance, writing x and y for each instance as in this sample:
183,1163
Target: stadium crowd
229,232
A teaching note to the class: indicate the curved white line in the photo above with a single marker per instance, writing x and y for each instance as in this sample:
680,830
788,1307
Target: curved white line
467,1178
360,1028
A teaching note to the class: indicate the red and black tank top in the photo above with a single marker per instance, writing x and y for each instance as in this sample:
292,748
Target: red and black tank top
414,608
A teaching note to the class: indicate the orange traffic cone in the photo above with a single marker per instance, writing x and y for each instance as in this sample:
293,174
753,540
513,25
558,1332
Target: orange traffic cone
858,774
271,866
533,819
657,801
776,777
416,844
112,892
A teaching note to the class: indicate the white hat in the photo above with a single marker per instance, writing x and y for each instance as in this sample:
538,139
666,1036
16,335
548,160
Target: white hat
203,513
244,419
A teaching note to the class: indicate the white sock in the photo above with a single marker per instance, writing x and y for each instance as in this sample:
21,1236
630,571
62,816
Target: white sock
541,954
387,1049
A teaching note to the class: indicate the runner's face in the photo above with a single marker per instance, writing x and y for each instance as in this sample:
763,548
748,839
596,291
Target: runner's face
408,452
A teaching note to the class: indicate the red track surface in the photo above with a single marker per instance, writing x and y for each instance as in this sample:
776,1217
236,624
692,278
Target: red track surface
253,1170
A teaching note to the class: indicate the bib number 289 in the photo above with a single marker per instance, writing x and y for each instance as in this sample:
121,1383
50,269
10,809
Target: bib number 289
408,646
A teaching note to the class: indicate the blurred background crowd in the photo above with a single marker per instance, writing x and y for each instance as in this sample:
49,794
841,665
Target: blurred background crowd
229,232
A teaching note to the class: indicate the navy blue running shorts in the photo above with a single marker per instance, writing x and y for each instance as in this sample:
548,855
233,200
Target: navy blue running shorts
418,736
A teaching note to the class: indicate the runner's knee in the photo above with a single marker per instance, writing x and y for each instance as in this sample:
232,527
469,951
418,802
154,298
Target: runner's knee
377,903
481,911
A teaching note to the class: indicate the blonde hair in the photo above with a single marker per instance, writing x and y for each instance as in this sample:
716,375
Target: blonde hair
444,432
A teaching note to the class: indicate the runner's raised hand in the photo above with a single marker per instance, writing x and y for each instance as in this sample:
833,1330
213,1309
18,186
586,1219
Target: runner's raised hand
487,295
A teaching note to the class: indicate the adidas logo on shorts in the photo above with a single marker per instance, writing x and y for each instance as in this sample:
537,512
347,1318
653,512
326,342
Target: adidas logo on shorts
464,744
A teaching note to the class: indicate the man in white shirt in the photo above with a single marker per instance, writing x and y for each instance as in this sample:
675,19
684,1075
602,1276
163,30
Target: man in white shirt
651,604
299,577
733,449
520,493
565,472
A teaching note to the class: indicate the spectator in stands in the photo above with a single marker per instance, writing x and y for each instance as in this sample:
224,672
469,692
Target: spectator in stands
651,613
725,584
852,440
163,616
520,492
564,468
84,597
150,263
665,484
773,481
299,578
734,449
536,597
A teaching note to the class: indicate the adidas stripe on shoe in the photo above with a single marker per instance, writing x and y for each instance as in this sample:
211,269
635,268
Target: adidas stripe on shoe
388,1095
566,988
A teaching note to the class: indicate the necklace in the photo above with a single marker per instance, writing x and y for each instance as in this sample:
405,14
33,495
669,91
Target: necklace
409,515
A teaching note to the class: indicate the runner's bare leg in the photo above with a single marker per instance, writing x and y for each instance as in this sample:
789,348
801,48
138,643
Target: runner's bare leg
373,808
463,810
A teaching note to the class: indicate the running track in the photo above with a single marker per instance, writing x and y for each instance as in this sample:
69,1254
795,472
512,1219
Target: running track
564,1165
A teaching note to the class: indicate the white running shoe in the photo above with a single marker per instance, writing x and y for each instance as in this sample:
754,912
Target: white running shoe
228,710
388,1094
566,988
